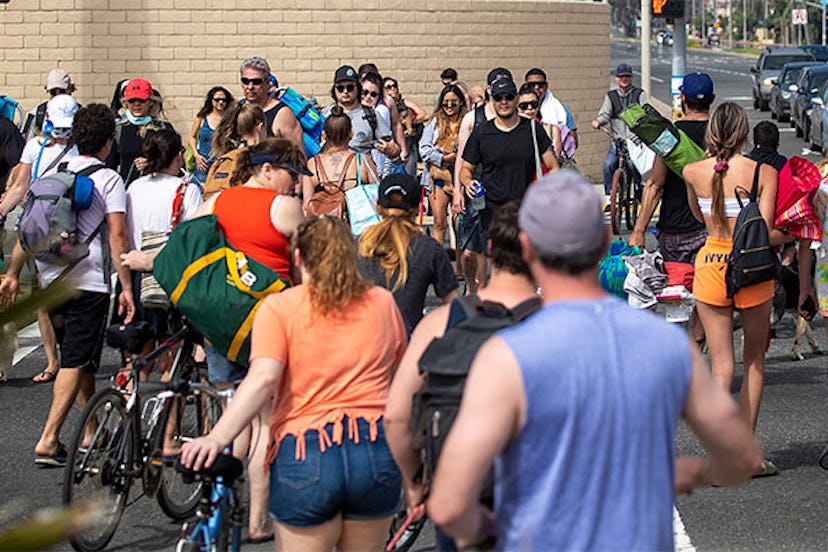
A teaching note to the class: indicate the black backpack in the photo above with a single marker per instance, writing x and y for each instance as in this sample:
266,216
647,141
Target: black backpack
752,261
445,364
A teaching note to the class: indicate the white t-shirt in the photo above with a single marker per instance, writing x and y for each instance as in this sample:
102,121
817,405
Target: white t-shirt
50,153
110,197
149,202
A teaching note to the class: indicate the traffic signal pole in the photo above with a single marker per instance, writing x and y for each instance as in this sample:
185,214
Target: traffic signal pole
679,64
646,32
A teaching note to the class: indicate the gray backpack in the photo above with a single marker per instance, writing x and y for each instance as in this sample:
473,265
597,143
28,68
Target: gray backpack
48,226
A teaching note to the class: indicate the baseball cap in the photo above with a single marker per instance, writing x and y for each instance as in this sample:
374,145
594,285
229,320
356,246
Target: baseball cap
561,214
503,86
497,73
623,70
58,78
345,73
697,85
61,110
137,89
405,185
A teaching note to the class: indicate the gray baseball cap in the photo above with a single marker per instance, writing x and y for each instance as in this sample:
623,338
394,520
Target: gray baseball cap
562,216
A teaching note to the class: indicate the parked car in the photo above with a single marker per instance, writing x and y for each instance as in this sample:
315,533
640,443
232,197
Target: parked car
766,71
780,96
819,119
806,88
819,51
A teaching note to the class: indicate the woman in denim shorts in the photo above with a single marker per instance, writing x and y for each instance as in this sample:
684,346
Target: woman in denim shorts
325,350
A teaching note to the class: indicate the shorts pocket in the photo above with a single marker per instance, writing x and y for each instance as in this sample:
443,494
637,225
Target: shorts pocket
383,467
298,474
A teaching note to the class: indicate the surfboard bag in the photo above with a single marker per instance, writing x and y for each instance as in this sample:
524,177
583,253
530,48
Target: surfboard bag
662,136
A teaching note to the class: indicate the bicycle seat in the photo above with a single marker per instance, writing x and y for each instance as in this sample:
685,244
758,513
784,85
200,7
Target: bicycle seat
129,337
227,467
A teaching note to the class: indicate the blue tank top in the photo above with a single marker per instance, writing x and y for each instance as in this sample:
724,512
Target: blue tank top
205,137
593,466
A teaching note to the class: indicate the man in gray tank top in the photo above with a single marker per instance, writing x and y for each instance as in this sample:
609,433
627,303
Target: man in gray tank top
578,411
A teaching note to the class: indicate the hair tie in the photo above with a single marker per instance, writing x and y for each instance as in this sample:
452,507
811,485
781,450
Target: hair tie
721,166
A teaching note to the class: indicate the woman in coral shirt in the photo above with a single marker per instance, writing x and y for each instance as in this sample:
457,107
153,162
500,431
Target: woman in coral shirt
326,351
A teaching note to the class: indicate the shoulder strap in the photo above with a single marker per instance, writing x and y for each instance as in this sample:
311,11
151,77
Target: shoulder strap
57,159
635,95
40,115
178,205
479,115
321,175
754,191
371,116
538,171
523,310
344,174
91,169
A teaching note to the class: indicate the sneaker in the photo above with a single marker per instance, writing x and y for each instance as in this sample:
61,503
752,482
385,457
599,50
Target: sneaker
767,470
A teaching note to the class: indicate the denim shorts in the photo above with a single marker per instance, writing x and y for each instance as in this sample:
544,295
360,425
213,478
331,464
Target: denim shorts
221,370
360,481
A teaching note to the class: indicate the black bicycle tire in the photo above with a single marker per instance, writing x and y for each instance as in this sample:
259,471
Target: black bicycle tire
100,398
632,204
614,202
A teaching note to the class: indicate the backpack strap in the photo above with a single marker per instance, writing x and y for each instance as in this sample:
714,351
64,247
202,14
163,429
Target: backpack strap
370,115
58,158
523,310
479,115
754,191
461,309
178,205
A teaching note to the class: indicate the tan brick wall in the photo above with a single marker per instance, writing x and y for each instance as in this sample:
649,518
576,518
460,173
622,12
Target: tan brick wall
186,46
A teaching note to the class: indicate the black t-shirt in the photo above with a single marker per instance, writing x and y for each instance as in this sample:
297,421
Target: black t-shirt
769,156
128,147
507,158
428,264
675,216
11,146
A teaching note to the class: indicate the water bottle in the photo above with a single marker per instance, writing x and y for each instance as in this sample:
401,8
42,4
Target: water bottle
478,201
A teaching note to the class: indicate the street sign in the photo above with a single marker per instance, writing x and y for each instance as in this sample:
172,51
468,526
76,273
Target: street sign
668,8
799,17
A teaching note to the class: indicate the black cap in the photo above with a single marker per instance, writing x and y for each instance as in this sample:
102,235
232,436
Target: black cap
346,73
497,73
406,185
623,70
449,73
503,86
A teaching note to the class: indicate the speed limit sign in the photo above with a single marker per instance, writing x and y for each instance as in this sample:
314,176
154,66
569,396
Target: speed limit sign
799,17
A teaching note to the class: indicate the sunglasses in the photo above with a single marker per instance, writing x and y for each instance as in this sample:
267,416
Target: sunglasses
345,88
136,101
538,84
390,86
220,100
528,105
255,82
501,97
370,93
450,103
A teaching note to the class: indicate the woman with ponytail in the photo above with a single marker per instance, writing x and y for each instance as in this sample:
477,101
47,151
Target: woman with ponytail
712,188
325,351
241,126
397,255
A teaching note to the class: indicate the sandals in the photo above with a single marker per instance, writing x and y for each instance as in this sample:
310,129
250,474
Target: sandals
46,376
54,460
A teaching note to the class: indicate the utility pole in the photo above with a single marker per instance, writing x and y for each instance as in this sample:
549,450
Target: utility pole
679,63
646,31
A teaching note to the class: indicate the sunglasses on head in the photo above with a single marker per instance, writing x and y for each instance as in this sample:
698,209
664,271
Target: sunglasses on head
501,97
450,103
345,87
255,82
532,104
390,86
538,84
370,93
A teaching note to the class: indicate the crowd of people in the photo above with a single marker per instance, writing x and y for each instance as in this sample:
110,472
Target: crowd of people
324,408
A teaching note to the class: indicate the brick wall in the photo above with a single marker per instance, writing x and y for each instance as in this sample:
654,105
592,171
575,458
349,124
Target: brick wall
186,46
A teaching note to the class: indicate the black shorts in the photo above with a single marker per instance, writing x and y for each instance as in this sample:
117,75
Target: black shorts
79,327
681,248
469,237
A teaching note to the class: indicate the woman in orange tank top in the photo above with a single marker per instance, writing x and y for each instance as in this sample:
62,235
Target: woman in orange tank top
325,350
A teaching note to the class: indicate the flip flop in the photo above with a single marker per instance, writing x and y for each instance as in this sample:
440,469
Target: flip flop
46,376
54,460
259,540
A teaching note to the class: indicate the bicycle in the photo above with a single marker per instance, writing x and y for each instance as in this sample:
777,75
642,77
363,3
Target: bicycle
126,427
625,195
220,511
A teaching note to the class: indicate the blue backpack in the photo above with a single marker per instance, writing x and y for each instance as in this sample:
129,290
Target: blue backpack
309,118
11,110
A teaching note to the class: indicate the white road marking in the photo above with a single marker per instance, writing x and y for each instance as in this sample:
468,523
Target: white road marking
681,540
30,331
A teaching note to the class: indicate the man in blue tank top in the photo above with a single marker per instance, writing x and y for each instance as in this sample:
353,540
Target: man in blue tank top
577,407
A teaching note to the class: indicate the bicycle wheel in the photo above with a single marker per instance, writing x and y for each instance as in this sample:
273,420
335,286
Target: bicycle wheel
186,418
103,469
616,199
632,205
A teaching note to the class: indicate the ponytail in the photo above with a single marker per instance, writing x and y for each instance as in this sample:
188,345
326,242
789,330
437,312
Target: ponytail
388,241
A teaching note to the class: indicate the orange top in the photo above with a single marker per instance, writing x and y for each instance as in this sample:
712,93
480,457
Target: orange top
244,216
335,365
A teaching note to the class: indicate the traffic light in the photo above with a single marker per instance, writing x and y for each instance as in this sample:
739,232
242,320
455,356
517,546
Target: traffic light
668,8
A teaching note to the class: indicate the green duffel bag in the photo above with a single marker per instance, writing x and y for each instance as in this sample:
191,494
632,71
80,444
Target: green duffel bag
662,136
216,287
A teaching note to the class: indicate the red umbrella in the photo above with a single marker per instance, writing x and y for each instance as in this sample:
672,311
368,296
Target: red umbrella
798,181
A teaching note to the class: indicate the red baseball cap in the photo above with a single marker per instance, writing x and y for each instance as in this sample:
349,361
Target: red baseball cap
138,89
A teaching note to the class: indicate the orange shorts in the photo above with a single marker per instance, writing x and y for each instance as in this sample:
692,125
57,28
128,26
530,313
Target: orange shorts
709,280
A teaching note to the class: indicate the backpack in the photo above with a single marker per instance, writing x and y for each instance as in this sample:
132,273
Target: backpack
752,261
36,119
445,365
309,117
10,108
370,115
328,197
218,177
48,226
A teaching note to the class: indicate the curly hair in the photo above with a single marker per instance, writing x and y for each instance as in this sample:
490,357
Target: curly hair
726,134
389,241
281,148
207,108
329,257
239,119
93,125
161,148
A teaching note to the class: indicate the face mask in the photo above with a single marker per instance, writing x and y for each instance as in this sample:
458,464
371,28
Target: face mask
137,121
62,133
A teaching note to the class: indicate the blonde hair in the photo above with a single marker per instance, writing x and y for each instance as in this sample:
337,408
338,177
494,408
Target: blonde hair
328,256
727,132
388,241
239,119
